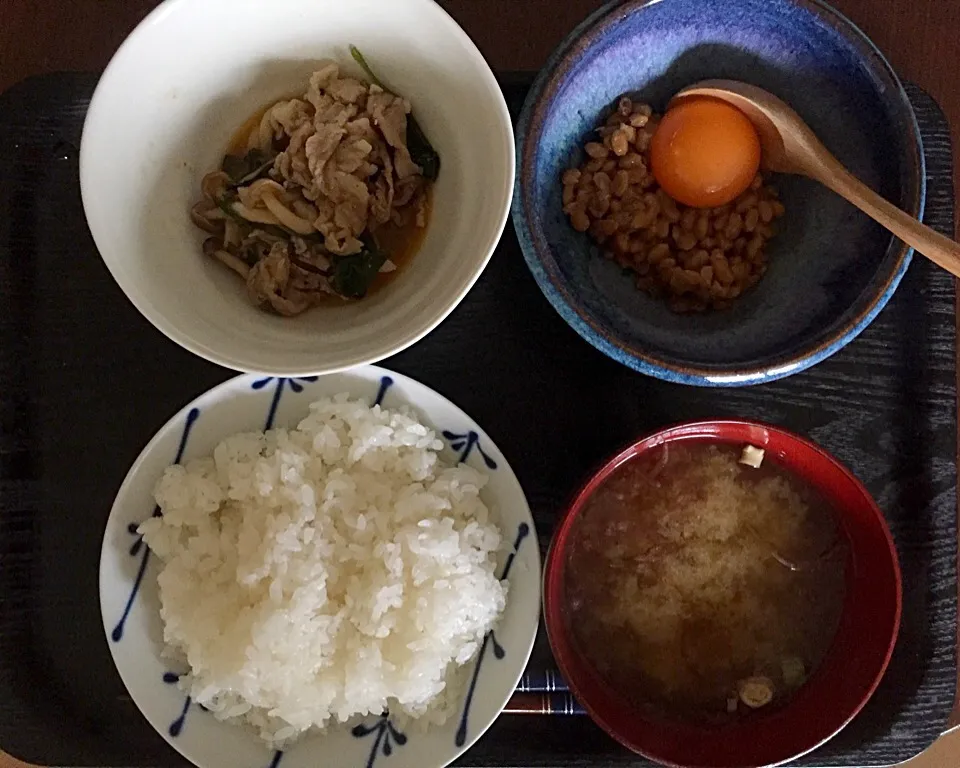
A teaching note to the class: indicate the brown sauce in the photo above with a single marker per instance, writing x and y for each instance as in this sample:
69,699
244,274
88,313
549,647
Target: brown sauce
238,142
690,575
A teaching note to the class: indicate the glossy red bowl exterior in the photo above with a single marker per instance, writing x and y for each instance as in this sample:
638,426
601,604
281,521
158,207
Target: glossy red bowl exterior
838,688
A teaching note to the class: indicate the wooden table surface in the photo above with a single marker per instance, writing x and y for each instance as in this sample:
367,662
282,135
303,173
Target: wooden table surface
920,37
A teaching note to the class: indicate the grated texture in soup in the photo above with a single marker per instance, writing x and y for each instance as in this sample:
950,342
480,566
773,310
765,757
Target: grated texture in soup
701,588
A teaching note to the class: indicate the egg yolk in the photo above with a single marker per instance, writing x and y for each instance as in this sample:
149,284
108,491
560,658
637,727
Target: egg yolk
704,153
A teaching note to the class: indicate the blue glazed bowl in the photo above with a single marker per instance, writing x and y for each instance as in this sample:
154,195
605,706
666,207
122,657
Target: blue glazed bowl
831,269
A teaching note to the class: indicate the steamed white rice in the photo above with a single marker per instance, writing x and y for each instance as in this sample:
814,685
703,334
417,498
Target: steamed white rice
333,570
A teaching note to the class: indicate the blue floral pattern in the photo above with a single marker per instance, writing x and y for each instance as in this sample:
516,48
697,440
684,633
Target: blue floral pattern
523,530
385,383
386,734
176,727
117,634
465,443
282,382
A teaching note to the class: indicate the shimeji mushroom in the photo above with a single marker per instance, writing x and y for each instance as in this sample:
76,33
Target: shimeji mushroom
268,193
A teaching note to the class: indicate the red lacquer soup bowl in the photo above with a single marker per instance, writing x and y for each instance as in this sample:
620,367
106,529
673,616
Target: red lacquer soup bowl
836,690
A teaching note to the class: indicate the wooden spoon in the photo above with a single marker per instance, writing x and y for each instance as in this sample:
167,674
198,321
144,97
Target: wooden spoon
789,146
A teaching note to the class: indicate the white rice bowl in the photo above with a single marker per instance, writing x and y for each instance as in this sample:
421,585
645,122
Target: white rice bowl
313,576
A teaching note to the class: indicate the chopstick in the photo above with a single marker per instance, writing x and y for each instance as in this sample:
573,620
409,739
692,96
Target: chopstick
543,703
543,692
542,681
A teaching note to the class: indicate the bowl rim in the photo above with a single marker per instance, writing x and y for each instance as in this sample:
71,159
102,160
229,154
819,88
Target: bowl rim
716,431
529,621
242,363
537,252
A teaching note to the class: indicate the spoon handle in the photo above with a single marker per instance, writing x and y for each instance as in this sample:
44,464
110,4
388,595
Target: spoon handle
939,249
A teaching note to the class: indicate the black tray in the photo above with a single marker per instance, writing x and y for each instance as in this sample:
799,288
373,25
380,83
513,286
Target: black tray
85,381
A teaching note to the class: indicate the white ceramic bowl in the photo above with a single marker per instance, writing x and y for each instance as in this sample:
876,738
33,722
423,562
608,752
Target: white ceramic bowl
182,84
129,599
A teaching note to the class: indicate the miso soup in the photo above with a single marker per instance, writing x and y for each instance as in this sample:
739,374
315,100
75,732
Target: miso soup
701,588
